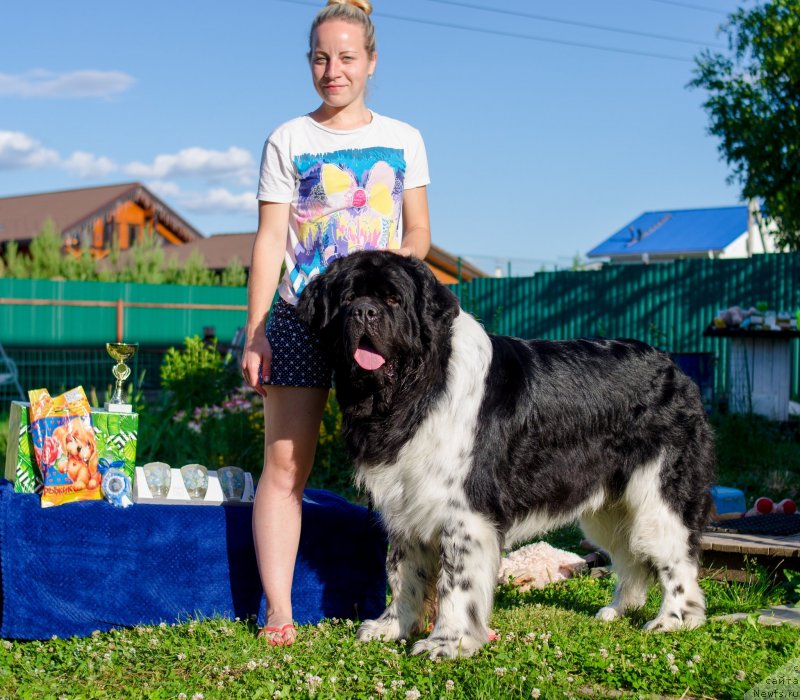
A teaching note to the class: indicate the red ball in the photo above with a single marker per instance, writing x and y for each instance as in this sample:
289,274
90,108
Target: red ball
764,505
787,505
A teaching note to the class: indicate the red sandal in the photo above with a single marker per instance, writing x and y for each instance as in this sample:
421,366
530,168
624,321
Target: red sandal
283,636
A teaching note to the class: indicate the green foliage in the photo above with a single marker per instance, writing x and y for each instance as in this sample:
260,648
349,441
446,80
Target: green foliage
16,265
758,456
194,271
45,252
228,433
793,584
754,93
79,267
234,275
145,263
3,438
757,589
197,375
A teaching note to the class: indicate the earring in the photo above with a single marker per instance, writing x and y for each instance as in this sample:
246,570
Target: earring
370,76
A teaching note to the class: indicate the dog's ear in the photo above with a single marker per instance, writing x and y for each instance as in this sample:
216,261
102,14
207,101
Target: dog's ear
436,304
317,304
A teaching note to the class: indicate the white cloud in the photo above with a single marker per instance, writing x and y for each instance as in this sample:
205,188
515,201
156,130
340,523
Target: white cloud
215,201
88,165
220,200
214,165
18,150
79,83
164,189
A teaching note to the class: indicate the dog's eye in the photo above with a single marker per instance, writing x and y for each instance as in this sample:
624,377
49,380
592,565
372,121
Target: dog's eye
348,298
393,300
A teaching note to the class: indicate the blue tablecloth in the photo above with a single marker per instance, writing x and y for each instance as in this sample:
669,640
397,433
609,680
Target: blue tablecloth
80,567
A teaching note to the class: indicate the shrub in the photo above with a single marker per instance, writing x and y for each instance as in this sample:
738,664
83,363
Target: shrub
197,375
228,433
759,456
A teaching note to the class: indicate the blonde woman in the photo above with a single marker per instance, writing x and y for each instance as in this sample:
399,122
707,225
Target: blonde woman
339,179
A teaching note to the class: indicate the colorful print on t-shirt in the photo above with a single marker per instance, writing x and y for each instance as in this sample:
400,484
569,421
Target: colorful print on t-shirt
347,200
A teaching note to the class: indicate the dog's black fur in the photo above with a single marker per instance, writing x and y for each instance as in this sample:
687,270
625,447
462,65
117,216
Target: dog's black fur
559,430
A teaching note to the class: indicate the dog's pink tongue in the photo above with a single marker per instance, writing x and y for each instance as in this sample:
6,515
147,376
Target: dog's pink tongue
369,359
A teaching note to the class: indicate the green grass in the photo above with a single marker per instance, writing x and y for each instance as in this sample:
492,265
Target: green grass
549,641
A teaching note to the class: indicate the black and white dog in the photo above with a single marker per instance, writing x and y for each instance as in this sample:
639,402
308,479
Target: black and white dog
469,442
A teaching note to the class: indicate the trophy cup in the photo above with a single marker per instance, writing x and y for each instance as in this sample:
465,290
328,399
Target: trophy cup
120,352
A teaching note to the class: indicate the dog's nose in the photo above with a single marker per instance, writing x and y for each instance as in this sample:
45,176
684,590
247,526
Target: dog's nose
364,310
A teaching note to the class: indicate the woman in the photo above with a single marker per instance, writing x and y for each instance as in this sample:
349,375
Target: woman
332,182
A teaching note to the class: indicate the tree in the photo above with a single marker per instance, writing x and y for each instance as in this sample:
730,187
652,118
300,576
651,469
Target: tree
45,252
16,265
754,108
194,271
234,275
145,263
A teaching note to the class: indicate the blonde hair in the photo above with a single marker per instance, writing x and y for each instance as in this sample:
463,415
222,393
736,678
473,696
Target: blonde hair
353,11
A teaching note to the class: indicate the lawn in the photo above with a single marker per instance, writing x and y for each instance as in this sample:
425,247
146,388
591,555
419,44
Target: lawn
550,646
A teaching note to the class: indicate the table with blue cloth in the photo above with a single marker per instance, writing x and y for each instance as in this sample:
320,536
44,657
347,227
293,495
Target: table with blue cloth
72,569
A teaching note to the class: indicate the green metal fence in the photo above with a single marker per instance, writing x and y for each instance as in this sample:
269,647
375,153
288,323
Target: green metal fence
46,313
668,305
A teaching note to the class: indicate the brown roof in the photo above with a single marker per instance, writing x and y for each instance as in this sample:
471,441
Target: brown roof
439,258
22,217
217,251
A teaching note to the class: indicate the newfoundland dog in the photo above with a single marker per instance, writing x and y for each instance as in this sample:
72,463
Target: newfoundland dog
469,442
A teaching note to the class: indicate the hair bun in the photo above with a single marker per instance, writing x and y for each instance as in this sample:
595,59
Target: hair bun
364,5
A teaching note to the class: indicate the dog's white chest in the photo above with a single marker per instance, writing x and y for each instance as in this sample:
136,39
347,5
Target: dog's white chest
415,494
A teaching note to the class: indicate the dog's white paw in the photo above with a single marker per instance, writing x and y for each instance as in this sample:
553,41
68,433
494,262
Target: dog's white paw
446,647
664,623
379,629
608,614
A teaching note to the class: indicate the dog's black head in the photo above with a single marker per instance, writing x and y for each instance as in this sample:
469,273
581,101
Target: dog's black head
378,314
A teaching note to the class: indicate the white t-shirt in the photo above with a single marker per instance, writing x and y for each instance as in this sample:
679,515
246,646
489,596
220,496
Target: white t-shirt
345,189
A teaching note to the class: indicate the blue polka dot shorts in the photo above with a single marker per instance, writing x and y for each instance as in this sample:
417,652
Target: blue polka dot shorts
296,356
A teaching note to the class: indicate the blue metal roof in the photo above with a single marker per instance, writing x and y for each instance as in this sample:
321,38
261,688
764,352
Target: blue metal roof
678,231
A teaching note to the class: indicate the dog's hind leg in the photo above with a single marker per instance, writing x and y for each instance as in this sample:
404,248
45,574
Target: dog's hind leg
609,528
469,552
411,569
660,536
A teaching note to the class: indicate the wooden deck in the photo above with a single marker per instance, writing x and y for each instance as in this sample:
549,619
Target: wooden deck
759,545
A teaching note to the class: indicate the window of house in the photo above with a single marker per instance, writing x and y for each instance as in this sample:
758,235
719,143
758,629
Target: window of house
110,233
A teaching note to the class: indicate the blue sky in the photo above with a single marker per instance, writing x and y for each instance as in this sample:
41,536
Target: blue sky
539,147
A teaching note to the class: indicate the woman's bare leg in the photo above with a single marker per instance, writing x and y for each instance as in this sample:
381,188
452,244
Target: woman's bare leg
292,416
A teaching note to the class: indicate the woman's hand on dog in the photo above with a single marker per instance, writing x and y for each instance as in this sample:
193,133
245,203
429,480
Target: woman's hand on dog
257,354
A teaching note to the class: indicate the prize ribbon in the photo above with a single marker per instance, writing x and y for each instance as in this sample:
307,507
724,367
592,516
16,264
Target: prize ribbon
117,488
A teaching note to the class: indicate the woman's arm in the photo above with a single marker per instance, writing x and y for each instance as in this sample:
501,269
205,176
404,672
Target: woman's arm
416,223
265,267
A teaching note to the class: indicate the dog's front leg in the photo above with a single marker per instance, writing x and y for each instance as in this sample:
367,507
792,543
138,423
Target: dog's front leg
411,570
469,559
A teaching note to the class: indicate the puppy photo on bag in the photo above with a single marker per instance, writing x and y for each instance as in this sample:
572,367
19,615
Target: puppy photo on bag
469,442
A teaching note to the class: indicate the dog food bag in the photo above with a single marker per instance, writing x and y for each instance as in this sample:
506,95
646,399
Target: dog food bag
64,445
